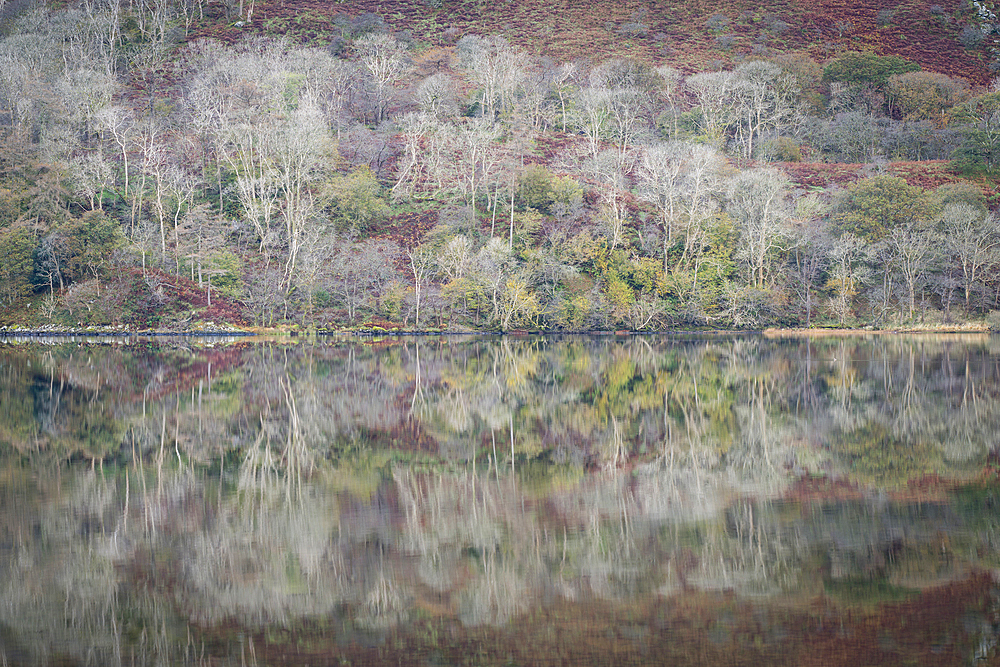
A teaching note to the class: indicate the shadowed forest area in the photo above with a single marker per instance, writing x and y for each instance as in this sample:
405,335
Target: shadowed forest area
436,164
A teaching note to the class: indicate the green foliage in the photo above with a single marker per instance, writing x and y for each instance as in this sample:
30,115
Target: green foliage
17,249
862,68
537,188
783,149
875,206
294,84
647,276
13,202
979,122
867,592
959,192
526,225
566,190
925,95
227,271
619,294
979,503
571,311
808,75
612,267
93,239
534,187
356,200
689,124
877,456
391,303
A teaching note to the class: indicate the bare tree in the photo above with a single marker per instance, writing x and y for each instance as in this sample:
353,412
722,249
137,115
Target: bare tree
91,175
669,91
360,273
154,165
317,244
972,239
916,252
421,265
758,207
301,154
496,68
591,116
713,90
120,122
849,272
660,174
415,130
808,257
765,99
386,59
702,182
83,94
475,139
563,85
436,96
493,264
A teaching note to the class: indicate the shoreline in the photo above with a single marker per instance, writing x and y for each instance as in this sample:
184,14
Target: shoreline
972,330
771,332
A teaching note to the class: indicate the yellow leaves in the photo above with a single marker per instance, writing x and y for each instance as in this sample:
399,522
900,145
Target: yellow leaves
573,312
356,198
619,295
926,95
843,285
518,304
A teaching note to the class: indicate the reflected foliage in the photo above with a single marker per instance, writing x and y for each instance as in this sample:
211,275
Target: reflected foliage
186,504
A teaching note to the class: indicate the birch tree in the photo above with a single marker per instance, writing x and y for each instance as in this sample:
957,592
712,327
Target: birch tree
916,251
496,69
660,174
386,59
764,99
972,241
713,90
757,205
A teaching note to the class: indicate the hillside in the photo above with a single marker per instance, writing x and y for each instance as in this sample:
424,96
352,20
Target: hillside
684,35
509,165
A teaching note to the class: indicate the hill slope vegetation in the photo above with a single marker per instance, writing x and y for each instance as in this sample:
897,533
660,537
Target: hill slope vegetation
517,165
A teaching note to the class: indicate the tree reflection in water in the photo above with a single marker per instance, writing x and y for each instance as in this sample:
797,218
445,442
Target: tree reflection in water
367,489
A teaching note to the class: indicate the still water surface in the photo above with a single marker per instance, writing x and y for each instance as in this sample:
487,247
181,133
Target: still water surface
486,500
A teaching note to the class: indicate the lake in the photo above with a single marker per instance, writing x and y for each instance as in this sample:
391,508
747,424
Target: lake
488,500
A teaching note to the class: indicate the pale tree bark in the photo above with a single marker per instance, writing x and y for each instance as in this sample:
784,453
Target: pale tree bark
849,272
758,207
916,251
386,59
713,90
702,183
421,266
592,113
497,69
765,99
476,137
301,154
660,173
669,91
972,239
120,122
563,85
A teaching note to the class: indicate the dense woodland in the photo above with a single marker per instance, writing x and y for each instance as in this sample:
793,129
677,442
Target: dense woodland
152,176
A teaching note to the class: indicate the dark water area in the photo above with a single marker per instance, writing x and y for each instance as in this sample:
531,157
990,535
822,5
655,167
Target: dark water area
715,500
